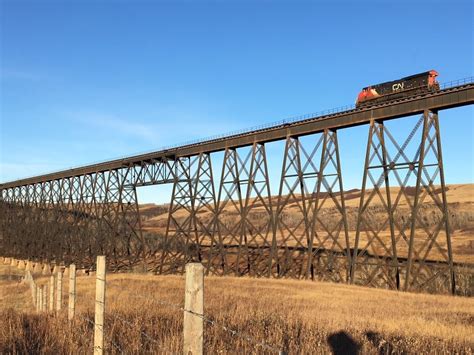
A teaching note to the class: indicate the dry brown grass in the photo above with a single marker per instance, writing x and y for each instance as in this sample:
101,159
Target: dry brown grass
300,317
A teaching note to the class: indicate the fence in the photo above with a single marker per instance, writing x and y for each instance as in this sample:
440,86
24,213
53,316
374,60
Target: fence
47,299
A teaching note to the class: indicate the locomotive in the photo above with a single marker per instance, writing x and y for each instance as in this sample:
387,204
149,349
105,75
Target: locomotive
392,90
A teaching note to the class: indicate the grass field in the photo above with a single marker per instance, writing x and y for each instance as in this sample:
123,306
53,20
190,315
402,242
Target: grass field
300,317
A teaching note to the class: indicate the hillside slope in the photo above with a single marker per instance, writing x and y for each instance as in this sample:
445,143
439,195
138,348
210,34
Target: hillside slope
460,204
296,316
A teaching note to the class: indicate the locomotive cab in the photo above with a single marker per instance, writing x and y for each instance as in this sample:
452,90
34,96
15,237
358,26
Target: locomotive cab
398,89
367,93
432,82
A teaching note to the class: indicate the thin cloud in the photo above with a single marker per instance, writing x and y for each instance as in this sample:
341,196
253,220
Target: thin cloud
116,124
15,171
19,75
159,129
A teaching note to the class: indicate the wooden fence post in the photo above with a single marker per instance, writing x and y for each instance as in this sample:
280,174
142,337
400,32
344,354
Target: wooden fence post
46,270
29,280
36,297
39,303
99,306
40,298
72,292
22,264
37,268
33,291
51,293
59,290
45,298
28,277
194,310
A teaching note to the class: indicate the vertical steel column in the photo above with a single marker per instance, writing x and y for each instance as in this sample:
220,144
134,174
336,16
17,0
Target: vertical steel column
430,264
390,210
180,230
377,260
230,202
330,251
445,203
343,210
204,222
292,232
257,226
416,198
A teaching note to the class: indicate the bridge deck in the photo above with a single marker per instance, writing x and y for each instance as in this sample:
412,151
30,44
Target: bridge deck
444,99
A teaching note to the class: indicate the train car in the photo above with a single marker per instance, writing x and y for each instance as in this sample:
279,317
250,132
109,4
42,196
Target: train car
392,90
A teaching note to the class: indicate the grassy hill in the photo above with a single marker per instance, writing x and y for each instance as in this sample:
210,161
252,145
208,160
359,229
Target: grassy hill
460,204
296,316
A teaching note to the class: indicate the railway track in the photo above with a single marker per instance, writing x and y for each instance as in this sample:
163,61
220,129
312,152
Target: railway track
299,126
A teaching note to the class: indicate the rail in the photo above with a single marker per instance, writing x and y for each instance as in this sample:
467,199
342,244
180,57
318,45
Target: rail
447,86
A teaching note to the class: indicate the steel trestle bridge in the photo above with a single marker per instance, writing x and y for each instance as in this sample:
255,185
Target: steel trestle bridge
234,225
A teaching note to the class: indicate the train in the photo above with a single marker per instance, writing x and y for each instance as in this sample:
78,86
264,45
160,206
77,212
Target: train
398,89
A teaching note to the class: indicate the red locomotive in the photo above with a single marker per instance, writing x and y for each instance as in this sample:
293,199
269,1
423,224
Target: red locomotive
392,90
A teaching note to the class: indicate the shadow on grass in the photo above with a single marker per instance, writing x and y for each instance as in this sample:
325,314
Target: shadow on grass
342,343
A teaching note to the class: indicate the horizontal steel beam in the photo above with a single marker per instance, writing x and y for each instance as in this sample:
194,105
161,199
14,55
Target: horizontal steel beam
441,100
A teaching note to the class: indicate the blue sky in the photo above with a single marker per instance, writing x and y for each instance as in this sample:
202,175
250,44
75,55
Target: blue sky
86,81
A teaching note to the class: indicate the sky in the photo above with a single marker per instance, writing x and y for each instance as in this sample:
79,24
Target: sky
88,81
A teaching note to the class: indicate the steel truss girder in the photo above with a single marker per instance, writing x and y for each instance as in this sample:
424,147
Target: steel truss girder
239,228
309,245
245,243
388,261
457,96
75,219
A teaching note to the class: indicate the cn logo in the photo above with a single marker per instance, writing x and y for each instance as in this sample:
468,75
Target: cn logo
398,86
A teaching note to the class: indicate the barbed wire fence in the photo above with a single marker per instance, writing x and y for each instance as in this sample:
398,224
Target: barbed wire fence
194,318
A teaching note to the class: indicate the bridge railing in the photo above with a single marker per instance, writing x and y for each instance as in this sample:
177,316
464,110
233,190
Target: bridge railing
459,82
274,124
292,119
